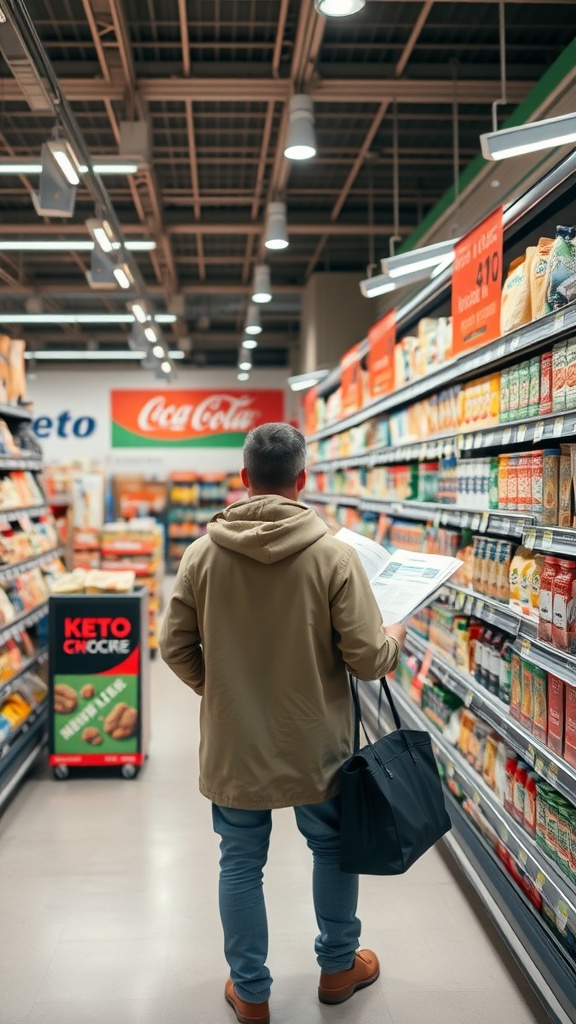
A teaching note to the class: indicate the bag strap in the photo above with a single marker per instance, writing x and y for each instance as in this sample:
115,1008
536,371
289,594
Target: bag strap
383,688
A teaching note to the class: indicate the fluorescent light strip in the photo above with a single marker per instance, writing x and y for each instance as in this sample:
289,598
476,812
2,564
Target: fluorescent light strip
417,260
33,167
68,355
78,318
72,245
529,138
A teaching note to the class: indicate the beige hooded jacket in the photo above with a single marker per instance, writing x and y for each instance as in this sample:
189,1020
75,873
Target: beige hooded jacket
267,612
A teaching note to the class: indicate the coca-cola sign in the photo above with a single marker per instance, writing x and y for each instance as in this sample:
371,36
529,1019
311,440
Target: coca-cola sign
167,418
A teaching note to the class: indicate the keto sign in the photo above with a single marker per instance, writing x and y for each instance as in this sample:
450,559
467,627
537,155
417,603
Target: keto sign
96,635
64,425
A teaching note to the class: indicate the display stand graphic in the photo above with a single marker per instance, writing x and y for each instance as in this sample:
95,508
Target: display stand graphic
99,682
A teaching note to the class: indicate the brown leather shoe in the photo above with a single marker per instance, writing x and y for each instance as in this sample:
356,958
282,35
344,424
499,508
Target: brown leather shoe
337,988
247,1013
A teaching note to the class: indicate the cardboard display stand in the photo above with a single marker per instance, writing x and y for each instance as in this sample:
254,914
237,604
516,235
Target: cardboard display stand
99,681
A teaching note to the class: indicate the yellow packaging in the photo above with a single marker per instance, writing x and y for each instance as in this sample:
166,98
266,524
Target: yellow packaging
515,308
565,487
538,277
516,565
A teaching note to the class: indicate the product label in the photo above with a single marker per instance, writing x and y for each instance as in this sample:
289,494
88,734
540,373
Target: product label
351,380
167,418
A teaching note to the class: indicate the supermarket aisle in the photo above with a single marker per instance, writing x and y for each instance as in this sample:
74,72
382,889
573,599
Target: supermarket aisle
108,910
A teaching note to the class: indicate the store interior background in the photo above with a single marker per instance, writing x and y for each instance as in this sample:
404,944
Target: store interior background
187,105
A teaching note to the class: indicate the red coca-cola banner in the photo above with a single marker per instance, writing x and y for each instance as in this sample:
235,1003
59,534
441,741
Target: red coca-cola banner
186,418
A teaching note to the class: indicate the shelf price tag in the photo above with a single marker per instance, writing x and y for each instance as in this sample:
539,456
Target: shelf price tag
521,433
503,833
450,770
469,698
559,321
558,429
490,439
540,880
484,522
525,648
522,856
506,436
475,523
469,605
437,520
478,440
547,539
514,344
539,766
476,797
539,430
530,538
561,915
505,525
552,774
464,520
468,442
530,753
460,599
479,607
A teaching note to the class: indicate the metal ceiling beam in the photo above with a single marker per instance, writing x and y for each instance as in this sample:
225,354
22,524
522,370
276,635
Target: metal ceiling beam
184,37
190,228
56,287
261,90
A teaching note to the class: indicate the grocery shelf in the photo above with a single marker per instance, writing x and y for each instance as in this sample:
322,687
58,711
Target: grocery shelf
549,328
18,755
8,462
24,621
491,709
15,412
559,663
37,659
11,572
501,436
554,886
505,524
487,608
558,540
33,511
532,944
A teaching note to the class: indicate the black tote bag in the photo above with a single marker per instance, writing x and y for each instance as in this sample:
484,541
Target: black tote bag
393,806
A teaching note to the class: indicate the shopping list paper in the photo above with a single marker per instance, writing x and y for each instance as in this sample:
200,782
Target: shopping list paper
403,581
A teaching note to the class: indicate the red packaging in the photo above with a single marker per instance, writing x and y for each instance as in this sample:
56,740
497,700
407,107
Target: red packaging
545,383
570,726
530,804
556,701
562,598
511,766
550,570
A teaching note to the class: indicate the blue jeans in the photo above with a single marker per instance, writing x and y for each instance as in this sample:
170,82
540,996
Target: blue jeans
245,837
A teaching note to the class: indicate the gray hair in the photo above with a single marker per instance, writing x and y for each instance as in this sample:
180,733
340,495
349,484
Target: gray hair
274,456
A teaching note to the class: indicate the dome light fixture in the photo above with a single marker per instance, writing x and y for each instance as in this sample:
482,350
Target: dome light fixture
253,325
261,289
249,343
301,140
339,8
276,229
243,375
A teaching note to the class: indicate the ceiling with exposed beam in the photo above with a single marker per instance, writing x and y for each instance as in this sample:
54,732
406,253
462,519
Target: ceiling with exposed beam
212,79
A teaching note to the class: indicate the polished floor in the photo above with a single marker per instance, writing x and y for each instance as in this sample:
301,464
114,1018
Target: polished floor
108,911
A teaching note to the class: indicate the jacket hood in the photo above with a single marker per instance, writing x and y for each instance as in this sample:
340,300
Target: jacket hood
267,528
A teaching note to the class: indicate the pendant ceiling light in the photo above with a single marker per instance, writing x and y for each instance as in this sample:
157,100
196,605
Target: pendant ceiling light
253,325
339,8
249,343
261,289
301,140
276,231
528,138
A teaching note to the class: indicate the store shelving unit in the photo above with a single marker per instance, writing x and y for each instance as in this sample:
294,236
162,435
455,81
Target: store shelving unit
538,936
193,499
19,752
138,545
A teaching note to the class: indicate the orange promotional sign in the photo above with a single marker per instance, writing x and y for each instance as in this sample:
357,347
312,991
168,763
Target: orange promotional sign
187,418
477,285
309,405
381,340
351,380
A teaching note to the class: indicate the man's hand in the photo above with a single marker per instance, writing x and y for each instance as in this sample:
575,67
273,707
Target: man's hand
397,631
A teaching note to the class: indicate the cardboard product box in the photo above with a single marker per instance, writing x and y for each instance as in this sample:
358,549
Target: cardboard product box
556,705
570,726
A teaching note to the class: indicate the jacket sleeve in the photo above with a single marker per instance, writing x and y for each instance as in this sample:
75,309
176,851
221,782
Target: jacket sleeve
366,649
180,644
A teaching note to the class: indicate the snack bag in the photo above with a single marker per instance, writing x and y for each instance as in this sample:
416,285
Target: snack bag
515,309
561,277
538,277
